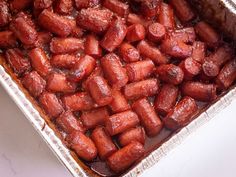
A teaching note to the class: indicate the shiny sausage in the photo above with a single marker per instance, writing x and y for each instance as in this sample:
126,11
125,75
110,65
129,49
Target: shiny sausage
64,61
129,53
4,13
94,117
143,88
150,8
135,32
166,16
80,4
42,4
120,122
64,7
7,39
100,90
190,68
166,99
18,5
92,46
186,35
181,114
156,32
120,8
199,51
103,142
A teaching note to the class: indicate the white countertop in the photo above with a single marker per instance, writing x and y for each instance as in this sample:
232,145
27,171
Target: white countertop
211,151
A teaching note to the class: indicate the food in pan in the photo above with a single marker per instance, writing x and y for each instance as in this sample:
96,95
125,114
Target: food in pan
116,77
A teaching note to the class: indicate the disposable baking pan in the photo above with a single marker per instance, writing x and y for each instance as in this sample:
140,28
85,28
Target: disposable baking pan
221,13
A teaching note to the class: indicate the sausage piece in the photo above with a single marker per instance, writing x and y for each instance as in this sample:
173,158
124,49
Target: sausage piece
18,5
7,39
129,53
148,117
227,75
151,52
17,61
82,68
209,70
42,4
66,45
133,134
120,8
135,32
51,104
125,157
181,114
199,51
114,35
57,82
23,30
166,99
143,88
100,90
95,20
207,34
170,73
186,35
166,16
68,123
40,61
183,10
190,68
156,32
55,23
199,91
94,117
118,123
4,13
64,7
64,61
80,4
103,142
119,103
78,101
139,70
82,145
34,83
150,8
113,70
92,46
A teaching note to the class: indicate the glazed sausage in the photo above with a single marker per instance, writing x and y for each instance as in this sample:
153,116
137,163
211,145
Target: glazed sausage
92,46
166,16
116,6
166,99
139,70
80,4
64,61
118,123
57,82
42,4
40,61
113,70
209,70
170,73
133,134
199,51
186,35
114,35
135,32
82,145
7,39
100,90
55,23
148,117
95,117
17,61
51,104
227,75
156,32
143,88
125,157
66,45
95,20
129,53
34,83
199,91
4,13
82,68
119,103
207,34
181,114
176,48
23,30
190,68
182,10
103,142
64,7
78,101
151,52
18,5
135,19
68,123
150,8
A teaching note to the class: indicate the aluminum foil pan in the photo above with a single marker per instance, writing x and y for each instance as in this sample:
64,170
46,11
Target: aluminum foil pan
221,12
